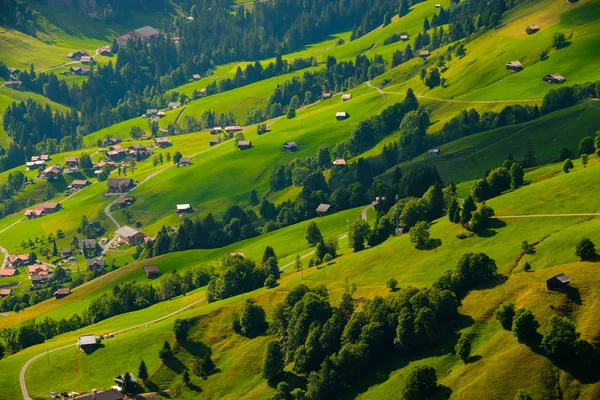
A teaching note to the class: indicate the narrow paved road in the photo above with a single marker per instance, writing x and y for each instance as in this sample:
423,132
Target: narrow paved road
32,359
369,84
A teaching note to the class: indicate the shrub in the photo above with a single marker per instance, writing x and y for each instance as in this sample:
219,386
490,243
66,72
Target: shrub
463,348
585,249
270,282
272,368
419,234
420,384
392,284
567,166
251,321
504,314
181,328
560,338
524,325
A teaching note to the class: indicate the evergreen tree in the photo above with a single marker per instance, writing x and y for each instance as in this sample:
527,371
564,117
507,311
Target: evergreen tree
273,363
313,234
143,371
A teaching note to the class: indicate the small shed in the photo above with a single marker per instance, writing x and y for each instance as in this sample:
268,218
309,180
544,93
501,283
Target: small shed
339,161
514,66
196,77
531,29
151,112
326,95
151,271
346,96
5,292
341,115
558,282
87,60
216,130
554,78
434,152
62,292
323,209
237,254
174,104
244,144
289,146
214,141
87,342
404,37
184,208
79,183
185,162
233,128
424,53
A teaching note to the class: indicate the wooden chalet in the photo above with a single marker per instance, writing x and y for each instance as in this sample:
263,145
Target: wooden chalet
96,264
86,245
554,78
51,173
558,283
174,104
81,71
125,201
531,29
80,183
184,208
514,66
151,112
5,292
323,209
339,161
61,292
289,146
119,185
326,95
18,260
129,235
14,84
185,162
244,144
424,53
87,342
214,141
346,96
162,142
105,51
144,33
72,161
151,271
233,128
66,252
87,60
216,130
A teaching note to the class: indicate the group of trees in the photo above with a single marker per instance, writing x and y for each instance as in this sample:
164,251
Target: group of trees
560,341
17,14
333,346
508,176
240,275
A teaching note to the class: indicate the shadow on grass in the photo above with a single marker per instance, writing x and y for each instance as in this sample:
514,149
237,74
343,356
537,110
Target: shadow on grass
197,349
295,381
473,359
92,350
174,364
442,393
492,283
573,294
193,387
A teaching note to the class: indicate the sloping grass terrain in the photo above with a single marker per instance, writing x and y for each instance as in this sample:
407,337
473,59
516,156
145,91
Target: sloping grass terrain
497,354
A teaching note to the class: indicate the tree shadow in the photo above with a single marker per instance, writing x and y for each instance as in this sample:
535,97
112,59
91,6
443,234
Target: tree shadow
564,45
174,364
92,350
584,366
197,349
473,359
295,381
193,387
492,283
496,223
151,386
573,294
442,393
432,244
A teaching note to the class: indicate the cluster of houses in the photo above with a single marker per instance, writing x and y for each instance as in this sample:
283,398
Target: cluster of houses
14,84
39,273
144,34
153,113
42,209
78,55
116,153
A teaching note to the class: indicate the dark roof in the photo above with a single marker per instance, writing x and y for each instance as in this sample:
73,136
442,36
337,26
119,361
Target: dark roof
63,291
562,278
147,31
151,269
119,182
87,243
99,263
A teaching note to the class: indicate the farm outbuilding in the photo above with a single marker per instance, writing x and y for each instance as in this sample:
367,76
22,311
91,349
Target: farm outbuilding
244,144
119,185
162,142
514,66
62,292
87,342
532,29
339,161
289,146
558,282
554,78
346,96
151,270
341,115
424,53
184,208
323,209
214,141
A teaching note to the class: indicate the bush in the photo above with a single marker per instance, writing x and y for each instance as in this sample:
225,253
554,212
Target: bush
181,328
419,234
560,339
272,368
526,266
251,321
270,282
585,249
504,314
420,384
327,259
463,348
392,284
524,325
567,166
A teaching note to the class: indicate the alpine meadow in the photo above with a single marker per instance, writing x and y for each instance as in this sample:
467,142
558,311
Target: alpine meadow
300,200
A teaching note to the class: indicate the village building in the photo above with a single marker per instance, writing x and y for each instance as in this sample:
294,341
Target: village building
14,84
341,115
514,66
48,207
346,96
244,144
437,5
78,54
145,33
119,185
80,183
125,201
215,130
214,141
100,165
184,208
31,165
81,71
174,104
86,245
162,142
4,272
115,153
72,161
112,394
66,252
138,152
404,37
151,271
14,71
531,29
31,214
129,235
554,78
326,95
5,292
87,60
96,264
87,342
558,282
233,128
18,260
196,77
424,53
61,292
323,209
51,173
289,146
185,162
237,254
105,51
111,141
433,152
161,114
39,273
151,112
339,161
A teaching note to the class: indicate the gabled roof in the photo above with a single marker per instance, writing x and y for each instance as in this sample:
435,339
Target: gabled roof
62,291
162,140
346,96
244,143
8,271
147,31
339,161
127,231
182,207
151,269
563,278
87,340
323,208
